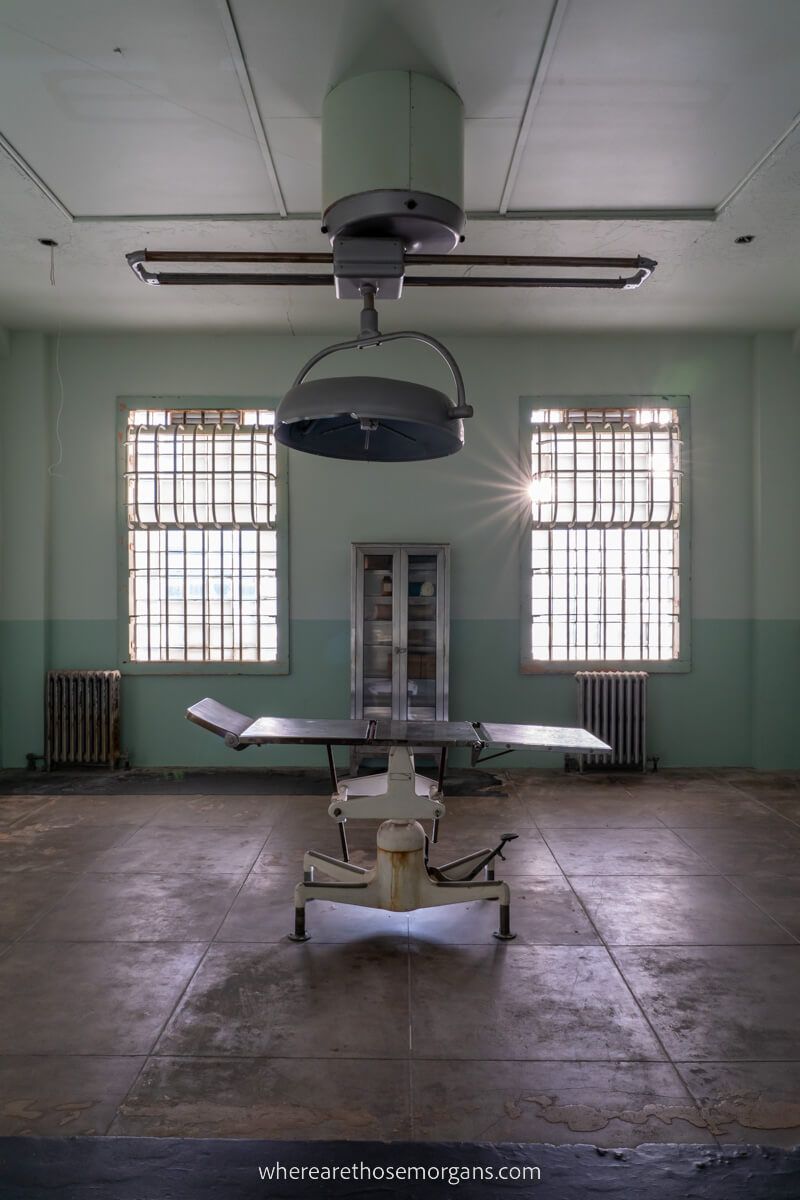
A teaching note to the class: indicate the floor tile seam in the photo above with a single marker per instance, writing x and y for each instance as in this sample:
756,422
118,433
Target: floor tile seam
794,822
188,984
231,876
704,857
651,945
646,875
709,873
159,1034
30,813
417,1057
200,826
555,828
237,826
184,991
46,1056
123,941
79,875
718,1138
247,867
421,943
731,879
626,984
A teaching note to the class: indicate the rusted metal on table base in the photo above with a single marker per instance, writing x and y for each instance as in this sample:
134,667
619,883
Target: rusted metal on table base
401,880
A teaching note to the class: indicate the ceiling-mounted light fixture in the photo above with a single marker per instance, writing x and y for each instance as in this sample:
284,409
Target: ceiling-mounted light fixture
371,418
392,185
392,198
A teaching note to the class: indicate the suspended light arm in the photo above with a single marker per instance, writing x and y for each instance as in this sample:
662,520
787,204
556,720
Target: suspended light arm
384,420
459,409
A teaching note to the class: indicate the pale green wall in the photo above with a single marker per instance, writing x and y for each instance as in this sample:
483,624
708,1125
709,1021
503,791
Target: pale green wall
58,602
776,574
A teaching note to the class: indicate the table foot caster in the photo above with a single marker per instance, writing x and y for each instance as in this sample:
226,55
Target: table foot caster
504,934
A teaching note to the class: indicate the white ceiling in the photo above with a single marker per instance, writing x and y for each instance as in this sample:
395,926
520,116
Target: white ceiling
660,127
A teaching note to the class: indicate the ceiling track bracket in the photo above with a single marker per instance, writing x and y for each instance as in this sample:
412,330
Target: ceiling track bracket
641,268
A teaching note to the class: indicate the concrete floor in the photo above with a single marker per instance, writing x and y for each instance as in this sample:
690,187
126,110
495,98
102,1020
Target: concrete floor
147,988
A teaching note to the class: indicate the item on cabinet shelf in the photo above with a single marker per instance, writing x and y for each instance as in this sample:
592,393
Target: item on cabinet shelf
380,661
379,687
381,612
386,586
422,666
428,588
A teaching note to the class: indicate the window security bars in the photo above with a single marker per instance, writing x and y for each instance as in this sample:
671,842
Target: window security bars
606,509
202,545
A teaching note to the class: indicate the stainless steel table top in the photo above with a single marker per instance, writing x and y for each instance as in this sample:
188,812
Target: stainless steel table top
320,730
540,737
240,730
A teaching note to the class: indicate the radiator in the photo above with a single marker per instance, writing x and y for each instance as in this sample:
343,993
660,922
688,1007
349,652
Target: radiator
613,705
82,718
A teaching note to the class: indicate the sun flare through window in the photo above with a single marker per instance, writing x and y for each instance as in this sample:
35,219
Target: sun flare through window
605,496
201,507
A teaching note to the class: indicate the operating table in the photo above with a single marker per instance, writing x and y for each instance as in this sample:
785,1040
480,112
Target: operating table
402,879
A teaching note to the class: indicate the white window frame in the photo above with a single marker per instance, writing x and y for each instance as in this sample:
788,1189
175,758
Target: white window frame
276,666
533,666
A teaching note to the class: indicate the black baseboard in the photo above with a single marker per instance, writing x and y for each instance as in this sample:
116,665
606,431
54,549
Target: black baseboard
218,1169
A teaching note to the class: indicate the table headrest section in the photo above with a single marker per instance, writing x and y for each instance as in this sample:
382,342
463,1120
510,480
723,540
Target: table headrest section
225,722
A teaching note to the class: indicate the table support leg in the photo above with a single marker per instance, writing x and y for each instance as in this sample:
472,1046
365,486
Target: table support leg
343,840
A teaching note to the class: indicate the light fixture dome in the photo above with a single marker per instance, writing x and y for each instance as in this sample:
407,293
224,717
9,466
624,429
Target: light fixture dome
373,419
364,417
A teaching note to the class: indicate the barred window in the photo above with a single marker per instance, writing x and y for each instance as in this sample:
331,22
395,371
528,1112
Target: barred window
201,505
606,513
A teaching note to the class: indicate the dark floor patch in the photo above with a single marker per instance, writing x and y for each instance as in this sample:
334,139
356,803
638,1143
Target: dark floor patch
223,781
177,1169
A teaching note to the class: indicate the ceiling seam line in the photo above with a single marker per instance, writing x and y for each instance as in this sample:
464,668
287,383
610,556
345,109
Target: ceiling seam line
707,215
34,178
248,94
757,166
537,83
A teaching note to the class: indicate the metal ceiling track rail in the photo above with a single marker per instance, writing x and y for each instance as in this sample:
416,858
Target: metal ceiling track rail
642,269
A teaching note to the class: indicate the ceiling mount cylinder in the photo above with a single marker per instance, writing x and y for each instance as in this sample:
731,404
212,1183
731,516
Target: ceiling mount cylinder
393,161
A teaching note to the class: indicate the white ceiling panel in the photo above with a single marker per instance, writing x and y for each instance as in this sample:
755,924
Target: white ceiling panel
297,51
296,147
488,146
159,128
660,103
646,104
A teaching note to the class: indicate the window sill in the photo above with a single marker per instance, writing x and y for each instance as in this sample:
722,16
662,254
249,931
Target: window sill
190,669
674,666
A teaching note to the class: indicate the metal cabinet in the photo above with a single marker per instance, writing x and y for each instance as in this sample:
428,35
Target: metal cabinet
400,631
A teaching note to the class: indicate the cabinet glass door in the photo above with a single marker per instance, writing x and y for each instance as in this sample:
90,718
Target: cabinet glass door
378,678
422,608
